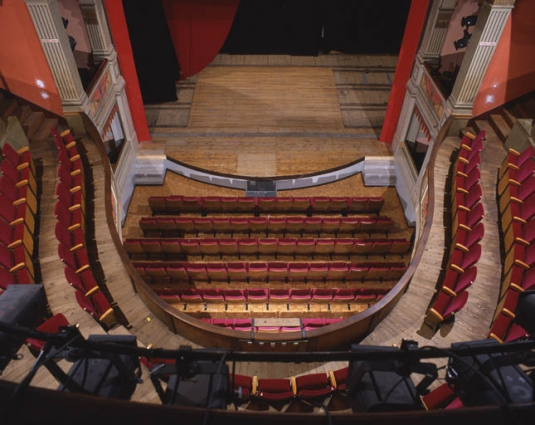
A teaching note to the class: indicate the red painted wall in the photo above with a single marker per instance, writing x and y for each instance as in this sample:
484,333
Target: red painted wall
198,29
24,69
511,72
125,56
407,53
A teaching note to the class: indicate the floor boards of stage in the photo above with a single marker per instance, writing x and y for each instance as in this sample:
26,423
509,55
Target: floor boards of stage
271,117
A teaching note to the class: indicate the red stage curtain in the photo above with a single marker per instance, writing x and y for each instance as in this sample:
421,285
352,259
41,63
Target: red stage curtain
198,29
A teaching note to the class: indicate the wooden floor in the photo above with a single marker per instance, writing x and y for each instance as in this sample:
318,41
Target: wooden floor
268,119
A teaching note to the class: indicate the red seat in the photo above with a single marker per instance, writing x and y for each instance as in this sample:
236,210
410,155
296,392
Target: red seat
258,271
18,195
338,204
305,247
464,184
213,296
191,296
98,306
275,390
514,160
313,386
317,271
297,272
375,203
73,183
52,325
267,246
467,220
276,225
464,239
439,398
248,246
16,260
286,246
521,213
229,203
358,204
466,201
295,225
83,282
151,246
190,247
211,204
22,177
228,246
237,271
343,296
16,214
348,225
518,233
320,204
357,272
312,225
239,225
72,201
246,204
73,239
242,386
279,296
461,261
516,177
277,271
300,296
454,283
258,225
177,273
209,247
324,247
517,193
173,204
192,204
338,379
78,261
257,295
445,308
337,271
234,296
320,295
217,273
19,158
16,235
132,246
197,272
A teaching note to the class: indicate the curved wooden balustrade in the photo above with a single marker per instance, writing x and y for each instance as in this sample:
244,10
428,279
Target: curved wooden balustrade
338,335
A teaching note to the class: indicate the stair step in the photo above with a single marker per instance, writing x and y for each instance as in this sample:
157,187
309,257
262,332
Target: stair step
487,126
32,124
509,117
43,132
500,126
9,108
24,112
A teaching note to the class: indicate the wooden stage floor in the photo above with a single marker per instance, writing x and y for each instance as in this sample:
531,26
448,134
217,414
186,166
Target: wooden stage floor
258,120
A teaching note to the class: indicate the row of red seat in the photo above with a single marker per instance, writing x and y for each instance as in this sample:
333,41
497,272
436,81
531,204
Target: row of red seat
70,231
225,204
267,225
262,295
517,206
248,325
465,250
266,271
254,246
19,204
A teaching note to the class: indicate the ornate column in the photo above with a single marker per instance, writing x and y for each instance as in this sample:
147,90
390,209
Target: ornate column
49,26
435,31
97,28
491,20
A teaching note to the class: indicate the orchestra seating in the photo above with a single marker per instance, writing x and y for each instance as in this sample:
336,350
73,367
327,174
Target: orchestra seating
175,271
181,225
247,205
515,188
168,247
466,232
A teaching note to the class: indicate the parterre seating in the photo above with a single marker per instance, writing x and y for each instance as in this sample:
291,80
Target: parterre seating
309,205
168,226
175,271
162,247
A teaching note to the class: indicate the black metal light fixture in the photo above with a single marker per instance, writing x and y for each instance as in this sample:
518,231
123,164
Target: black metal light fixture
466,22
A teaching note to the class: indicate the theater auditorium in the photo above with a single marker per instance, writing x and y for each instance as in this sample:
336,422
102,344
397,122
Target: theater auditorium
253,210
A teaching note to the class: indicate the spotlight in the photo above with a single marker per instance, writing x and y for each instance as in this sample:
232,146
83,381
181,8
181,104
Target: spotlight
525,311
468,21
386,385
488,379
463,42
